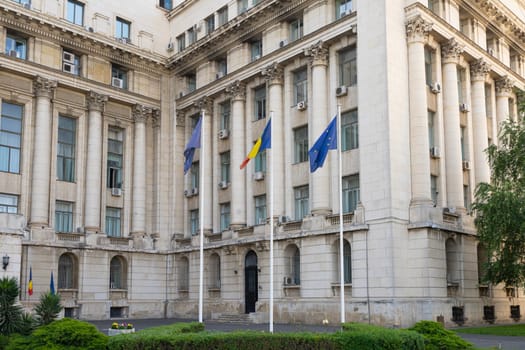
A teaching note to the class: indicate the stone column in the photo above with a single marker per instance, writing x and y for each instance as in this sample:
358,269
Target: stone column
237,91
451,52
318,119
275,79
94,176
478,72
138,199
205,105
417,34
43,89
504,88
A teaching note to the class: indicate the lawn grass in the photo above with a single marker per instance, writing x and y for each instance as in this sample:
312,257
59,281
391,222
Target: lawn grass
505,330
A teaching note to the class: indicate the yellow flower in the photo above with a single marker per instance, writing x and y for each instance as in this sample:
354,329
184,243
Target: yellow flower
114,325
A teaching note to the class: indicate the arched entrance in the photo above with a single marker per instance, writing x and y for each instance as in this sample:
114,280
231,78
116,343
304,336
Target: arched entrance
250,281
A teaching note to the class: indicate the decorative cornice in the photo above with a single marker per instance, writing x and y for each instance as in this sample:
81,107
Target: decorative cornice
155,117
237,90
479,69
96,101
451,51
417,29
318,53
273,73
44,87
205,104
504,86
140,113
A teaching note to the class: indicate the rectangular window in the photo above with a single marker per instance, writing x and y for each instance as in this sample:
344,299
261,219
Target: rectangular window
260,102
225,166
23,2
431,129
166,4
16,46
466,197
225,109
119,76
488,100
434,188
181,42
113,222
349,130
192,35
63,216
256,49
225,216
301,202
191,82
461,83
301,144
464,154
66,148
260,162
75,12
115,157
348,67
222,15
222,68
300,85
8,203
429,61
210,24
122,29
194,175
70,63
10,137
242,6
296,29
260,209
342,8
350,193
194,222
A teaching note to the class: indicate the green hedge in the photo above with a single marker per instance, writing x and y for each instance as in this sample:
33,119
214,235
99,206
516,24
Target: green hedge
364,336
438,338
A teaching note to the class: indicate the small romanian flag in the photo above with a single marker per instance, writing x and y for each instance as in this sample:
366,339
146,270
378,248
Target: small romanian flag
30,284
262,143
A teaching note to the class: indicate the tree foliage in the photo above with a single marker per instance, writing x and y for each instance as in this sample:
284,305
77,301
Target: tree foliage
13,319
500,207
48,308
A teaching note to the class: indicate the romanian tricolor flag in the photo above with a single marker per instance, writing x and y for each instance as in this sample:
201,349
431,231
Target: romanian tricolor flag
262,143
30,284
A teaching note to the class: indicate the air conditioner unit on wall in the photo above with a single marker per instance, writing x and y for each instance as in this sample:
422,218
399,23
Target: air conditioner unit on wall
170,47
287,280
464,107
435,152
258,176
223,185
117,82
117,192
301,106
223,134
194,191
341,90
435,88
466,165
283,43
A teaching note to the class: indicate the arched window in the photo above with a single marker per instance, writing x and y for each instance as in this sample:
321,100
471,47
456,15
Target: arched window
347,262
214,272
452,262
117,273
67,272
293,265
184,274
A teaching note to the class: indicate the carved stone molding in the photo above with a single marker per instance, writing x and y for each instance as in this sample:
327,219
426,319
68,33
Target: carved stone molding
140,113
479,69
180,118
504,86
237,90
205,104
155,117
451,51
273,73
318,53
44,87
96,101
417,29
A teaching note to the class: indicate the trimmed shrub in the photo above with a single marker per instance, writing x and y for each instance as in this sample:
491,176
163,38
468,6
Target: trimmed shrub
439,338
364,336
48,308
11,313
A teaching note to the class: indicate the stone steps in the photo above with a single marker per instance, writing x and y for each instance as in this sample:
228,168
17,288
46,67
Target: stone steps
234,318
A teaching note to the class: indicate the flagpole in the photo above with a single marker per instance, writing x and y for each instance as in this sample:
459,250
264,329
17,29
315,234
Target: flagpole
341,245
271,225
201,217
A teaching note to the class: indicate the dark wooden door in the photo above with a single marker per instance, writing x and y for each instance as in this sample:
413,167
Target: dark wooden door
250,282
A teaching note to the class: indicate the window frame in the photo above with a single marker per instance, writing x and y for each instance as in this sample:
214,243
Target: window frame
301,201
121,73
225,161
8,202
351,192
296,28
67,272
210,24
115,155
260,213
222,16
225,216
65,161
256,49
113,222
122,29
343,7
16,44
11,129
259,102
300,85
225,115
350,130
300,135
348,66
64,216
194,222
76,5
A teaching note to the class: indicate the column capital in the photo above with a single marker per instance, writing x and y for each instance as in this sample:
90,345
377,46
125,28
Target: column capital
204,104
479,69
274,74
237,90
44,87
96,101
504,86
155,117
140,113
318,53
450,51
180,118
417,29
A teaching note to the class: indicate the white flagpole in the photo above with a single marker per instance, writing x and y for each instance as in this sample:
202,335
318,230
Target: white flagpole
341,245
271,222
201,216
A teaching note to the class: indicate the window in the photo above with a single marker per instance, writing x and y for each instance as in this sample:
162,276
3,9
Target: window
222,68
260,209
115,156
488,100
342,8
301,202
75,12
70,63
260,102
119,76
225,216
301,144
210,24
67,272
8,203
431,129
122,29
350,193
63,216
23,2
192,35
347,262
10,137
300,85
348,67
194,222
293,265
166,4
462,78
296,29
429,61
222,15
191,82
464,152
16,46
434,188
181,42
242,6
349,130
194,175
466,197
66,149
117,273
225,166
113,222
214,279
184,274
260,162
452,262
225,109
256,49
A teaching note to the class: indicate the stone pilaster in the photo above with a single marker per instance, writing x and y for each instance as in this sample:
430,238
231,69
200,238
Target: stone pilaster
41,176
504,87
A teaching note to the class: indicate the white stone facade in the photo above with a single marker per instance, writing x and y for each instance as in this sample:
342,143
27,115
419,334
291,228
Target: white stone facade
96,110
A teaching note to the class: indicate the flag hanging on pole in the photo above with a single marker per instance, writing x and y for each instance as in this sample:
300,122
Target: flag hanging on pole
325,142
52,284
30,284
262,143
193,143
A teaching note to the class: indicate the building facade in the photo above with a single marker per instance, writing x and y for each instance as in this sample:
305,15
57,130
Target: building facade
98,102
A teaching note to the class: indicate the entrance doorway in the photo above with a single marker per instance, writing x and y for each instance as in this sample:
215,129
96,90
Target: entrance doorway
251,284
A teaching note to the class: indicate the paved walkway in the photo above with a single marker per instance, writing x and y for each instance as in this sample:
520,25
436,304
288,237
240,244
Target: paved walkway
480,341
